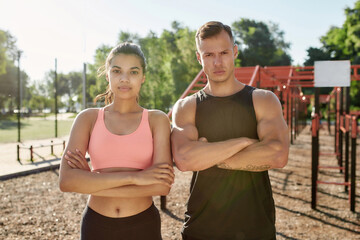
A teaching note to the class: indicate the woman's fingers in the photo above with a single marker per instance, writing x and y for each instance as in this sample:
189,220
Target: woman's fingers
78,160
167,175
73,163
83,160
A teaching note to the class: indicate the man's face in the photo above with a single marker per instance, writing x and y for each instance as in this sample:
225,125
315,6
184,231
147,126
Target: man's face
217,55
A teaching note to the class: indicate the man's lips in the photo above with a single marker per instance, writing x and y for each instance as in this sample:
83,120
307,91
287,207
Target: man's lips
219,72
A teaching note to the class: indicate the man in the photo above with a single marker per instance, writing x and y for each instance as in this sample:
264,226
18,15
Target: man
229,134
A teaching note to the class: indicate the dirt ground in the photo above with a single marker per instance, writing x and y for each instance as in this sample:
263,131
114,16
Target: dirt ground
32,207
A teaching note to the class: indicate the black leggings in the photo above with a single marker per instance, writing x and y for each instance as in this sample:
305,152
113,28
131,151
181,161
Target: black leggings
145,225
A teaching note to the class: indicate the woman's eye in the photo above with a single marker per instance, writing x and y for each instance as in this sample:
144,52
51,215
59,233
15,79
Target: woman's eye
116,71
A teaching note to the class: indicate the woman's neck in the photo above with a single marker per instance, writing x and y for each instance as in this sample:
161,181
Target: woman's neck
125,106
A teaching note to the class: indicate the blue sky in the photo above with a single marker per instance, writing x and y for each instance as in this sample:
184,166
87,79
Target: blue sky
71,30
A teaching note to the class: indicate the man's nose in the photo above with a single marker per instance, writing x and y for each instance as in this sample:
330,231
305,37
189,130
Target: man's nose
217,60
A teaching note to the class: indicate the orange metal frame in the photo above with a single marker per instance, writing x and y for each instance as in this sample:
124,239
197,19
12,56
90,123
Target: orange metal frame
285,81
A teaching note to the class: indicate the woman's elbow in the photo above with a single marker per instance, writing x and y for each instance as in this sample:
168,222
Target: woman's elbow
163,190
64,185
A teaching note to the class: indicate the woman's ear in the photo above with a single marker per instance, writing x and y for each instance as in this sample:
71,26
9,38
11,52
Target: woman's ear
107,77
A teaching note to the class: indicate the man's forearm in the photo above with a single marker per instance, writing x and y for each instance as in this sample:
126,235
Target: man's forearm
200,155
258,157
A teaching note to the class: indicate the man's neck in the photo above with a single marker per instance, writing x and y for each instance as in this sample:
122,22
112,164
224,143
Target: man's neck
222,89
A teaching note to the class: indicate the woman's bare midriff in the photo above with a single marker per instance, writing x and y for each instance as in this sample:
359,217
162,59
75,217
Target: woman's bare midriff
117,207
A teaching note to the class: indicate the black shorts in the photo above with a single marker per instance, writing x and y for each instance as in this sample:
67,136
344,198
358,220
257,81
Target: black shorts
145,225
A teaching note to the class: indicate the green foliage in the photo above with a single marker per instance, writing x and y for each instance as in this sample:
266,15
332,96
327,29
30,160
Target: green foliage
341,43
316,54
260,44
8,50
2,52
171,65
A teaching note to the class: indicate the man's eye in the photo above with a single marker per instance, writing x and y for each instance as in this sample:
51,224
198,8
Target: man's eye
134,72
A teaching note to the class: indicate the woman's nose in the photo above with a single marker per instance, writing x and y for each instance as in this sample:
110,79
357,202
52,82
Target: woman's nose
124,77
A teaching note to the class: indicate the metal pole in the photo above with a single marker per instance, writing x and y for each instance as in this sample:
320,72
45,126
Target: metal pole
315,150
84,87
18,97
291,116
347,140
353,163
55,96
340,132
336,120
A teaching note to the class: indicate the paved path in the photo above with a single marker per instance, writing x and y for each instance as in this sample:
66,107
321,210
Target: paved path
43,160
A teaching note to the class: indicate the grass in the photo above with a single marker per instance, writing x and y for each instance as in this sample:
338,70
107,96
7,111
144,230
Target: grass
32,128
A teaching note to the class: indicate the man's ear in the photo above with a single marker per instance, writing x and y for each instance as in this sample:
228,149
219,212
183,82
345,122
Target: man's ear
198,57
143,80
236,51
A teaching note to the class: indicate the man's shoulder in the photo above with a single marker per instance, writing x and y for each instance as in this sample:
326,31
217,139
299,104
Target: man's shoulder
187,102
184,109
263,95
266,103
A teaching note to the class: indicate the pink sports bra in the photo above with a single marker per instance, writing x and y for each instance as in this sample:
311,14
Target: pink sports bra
134,150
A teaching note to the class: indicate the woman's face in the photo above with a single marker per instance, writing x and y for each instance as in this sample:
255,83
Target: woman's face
125,76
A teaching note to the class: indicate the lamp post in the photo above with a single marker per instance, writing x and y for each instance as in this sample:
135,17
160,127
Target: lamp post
55,96
18,96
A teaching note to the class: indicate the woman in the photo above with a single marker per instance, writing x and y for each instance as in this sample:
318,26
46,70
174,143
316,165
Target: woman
129,149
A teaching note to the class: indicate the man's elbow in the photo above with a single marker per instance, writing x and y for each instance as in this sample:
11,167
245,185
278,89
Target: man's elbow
281,155
281,161
181,156
180,162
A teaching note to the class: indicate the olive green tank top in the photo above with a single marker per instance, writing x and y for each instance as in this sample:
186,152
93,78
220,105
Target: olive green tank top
228,204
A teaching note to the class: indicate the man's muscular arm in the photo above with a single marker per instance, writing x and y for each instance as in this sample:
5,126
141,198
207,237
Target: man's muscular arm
273,147
194,154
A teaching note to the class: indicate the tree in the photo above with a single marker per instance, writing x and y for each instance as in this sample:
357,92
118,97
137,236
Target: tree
97,84
260,44
8,71
341,43
316,54
8,50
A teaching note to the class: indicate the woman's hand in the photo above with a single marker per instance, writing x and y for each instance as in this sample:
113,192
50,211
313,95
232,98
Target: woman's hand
162,173
77,160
